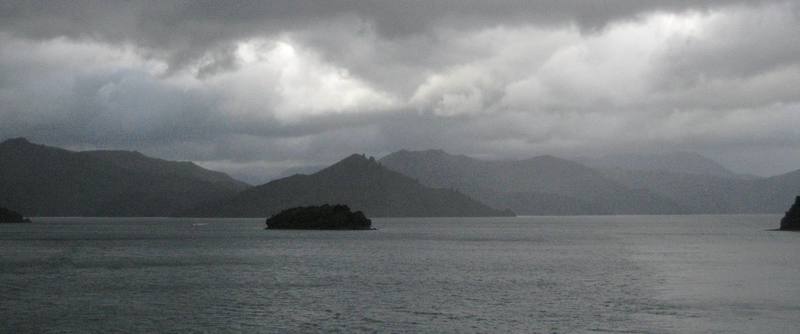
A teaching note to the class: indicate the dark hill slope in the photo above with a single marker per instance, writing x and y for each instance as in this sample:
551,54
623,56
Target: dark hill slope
48,181
137,162
361,183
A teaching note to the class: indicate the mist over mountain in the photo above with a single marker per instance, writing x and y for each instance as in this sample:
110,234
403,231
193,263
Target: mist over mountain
357,181
713,194
680,183
696,192
47,181
771,194
540,185
673,162
304,170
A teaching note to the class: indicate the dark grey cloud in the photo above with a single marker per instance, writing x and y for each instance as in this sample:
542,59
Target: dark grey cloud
183,31
739,45
253,87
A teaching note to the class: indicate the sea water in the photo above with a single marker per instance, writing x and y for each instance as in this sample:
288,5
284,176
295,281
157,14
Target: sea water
649,274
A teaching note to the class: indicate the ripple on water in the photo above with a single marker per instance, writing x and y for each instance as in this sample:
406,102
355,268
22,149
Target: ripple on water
609,274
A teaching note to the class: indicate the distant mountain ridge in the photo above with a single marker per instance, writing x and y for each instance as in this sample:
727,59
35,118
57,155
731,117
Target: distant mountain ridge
539,185
359,182
303,170
135,161
47,181
716,195
549,185
673,162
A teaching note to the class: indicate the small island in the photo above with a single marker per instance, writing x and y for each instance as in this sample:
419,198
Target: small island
325,217
791,221
9,216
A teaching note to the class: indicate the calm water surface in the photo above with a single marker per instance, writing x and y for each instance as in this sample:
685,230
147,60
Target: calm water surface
649,274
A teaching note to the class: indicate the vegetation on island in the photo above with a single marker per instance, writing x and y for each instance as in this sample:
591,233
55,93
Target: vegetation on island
324,217
791,221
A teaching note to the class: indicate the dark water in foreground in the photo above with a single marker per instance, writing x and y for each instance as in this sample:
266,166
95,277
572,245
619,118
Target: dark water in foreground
653,274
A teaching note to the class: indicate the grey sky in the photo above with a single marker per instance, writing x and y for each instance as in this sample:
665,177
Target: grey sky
253,87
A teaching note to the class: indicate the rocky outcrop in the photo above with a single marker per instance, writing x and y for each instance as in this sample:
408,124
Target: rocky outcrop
325,217
791,221
9,216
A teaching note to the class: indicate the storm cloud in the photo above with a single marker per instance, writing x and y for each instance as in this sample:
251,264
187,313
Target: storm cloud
254,87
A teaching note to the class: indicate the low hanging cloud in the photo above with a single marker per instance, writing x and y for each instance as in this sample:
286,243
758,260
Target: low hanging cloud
254,88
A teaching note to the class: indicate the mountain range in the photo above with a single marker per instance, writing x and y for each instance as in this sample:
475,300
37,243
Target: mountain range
709,194
41,180
681,183
543,185
360,182
673,162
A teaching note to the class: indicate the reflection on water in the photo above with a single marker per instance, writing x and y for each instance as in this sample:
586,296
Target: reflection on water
527,274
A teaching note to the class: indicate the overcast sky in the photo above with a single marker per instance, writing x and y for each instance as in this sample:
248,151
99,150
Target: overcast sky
254,87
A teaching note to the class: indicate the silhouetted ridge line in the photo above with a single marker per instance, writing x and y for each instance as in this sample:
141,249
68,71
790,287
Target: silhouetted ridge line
543,185
547,185
49,181
359,182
